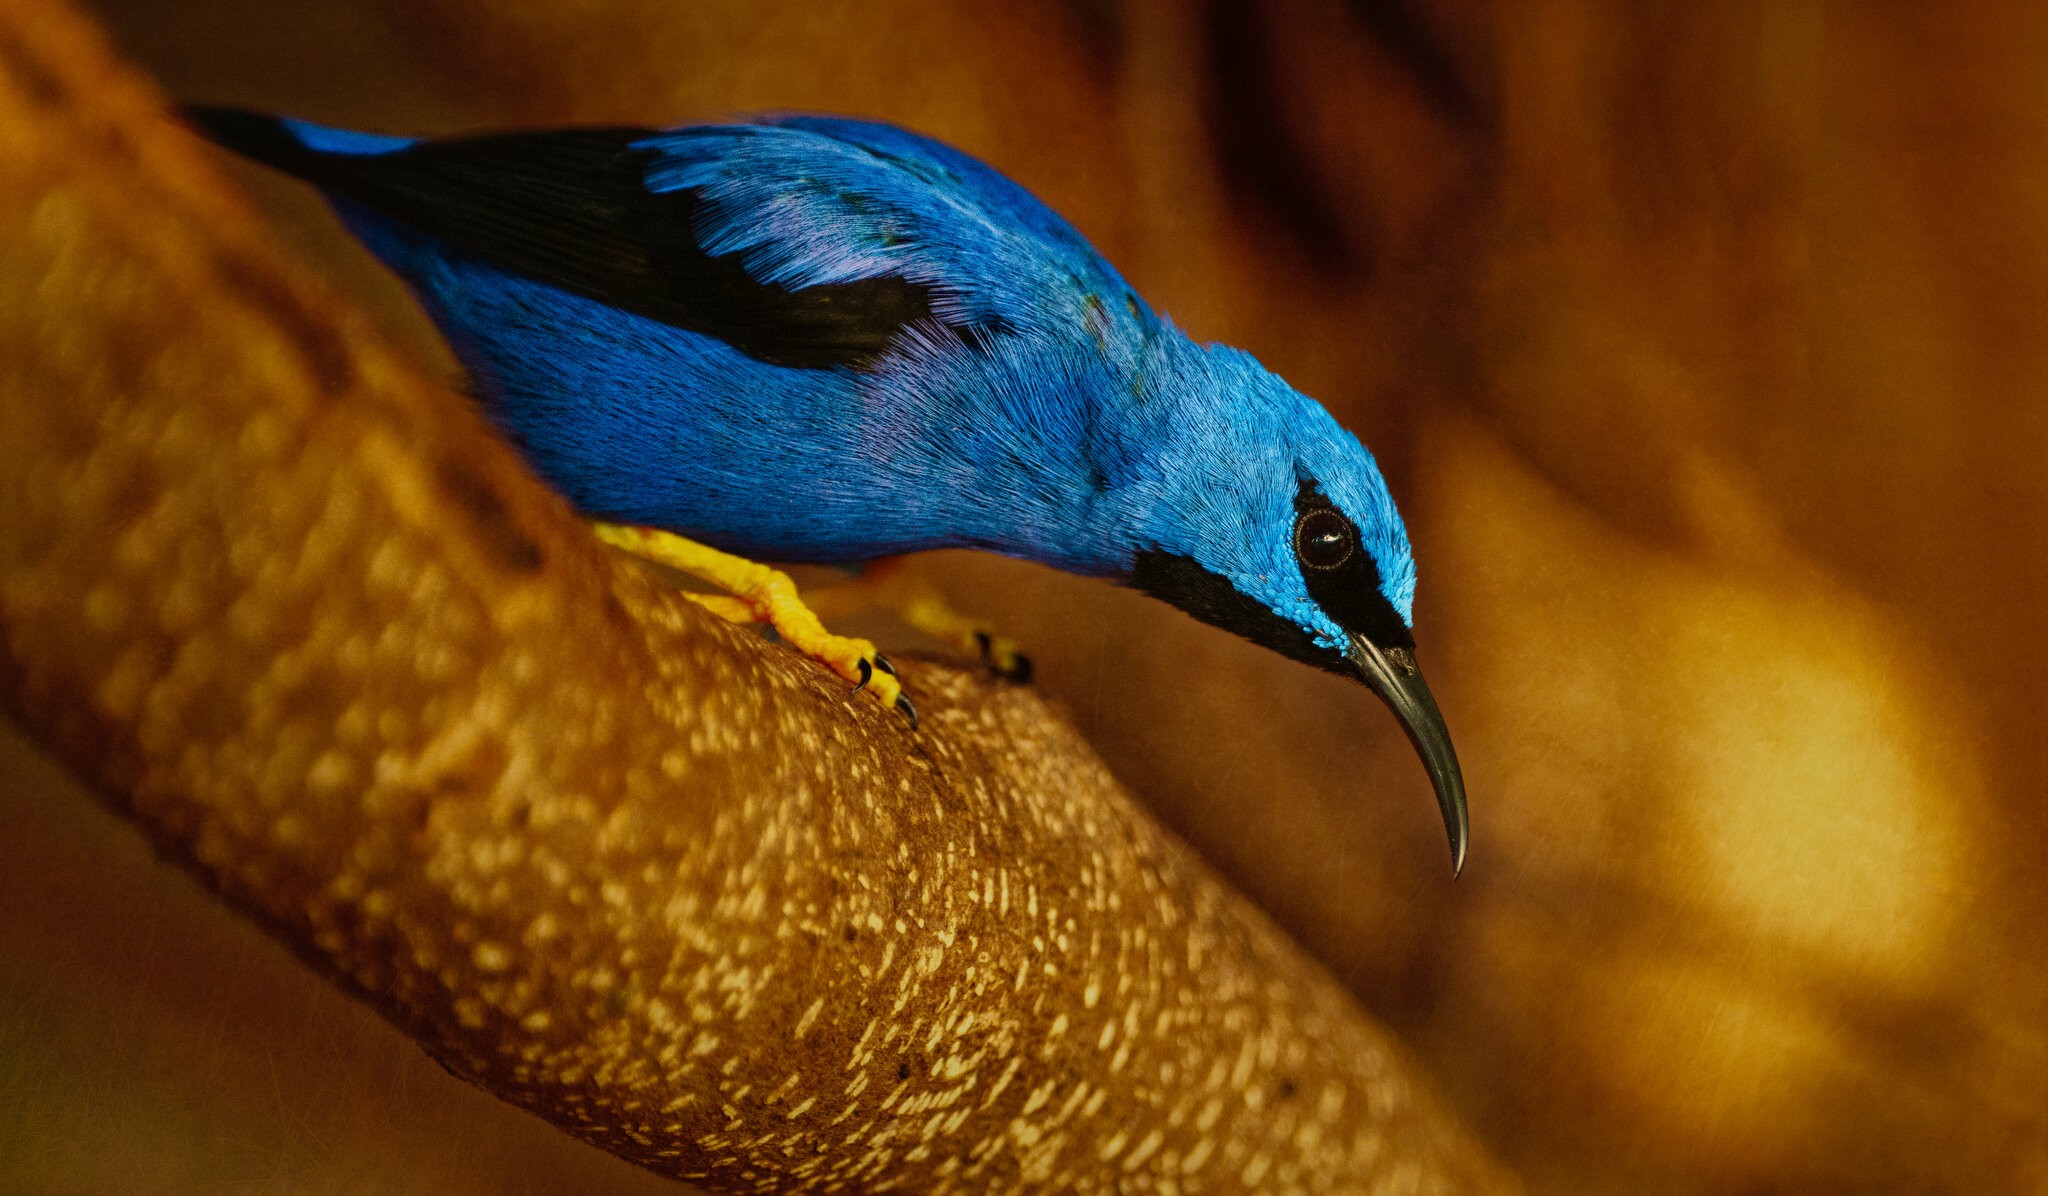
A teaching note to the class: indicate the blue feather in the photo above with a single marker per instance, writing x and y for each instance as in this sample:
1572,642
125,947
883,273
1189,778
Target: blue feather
813,200
1040,410
817,339
323,140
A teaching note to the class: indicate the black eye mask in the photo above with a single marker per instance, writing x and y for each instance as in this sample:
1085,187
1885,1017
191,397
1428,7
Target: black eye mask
1341,575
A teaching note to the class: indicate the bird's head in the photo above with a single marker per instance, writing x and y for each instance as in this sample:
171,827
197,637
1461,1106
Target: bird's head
1263,516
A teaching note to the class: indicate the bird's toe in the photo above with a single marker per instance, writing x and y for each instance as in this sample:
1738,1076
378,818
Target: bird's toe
1002,657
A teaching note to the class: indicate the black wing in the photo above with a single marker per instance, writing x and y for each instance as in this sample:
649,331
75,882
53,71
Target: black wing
571,209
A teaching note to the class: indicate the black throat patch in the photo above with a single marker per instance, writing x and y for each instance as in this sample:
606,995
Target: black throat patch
1207,595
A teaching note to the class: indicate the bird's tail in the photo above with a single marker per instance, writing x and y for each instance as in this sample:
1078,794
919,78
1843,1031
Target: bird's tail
313,152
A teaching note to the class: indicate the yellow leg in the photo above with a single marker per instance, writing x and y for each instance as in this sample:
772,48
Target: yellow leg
759,594
889,583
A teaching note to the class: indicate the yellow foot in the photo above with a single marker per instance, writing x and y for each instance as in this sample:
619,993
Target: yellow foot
759,594
889,583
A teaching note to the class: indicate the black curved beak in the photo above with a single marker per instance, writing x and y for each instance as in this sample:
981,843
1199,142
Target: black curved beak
1393,675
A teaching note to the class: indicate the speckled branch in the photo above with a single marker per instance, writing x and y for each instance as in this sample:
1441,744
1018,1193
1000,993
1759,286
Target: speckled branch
284,600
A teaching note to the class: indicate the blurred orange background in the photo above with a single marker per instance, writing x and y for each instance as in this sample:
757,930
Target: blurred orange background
1704,347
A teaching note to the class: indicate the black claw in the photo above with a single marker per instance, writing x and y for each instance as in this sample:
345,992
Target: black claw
903,704
867,674
1019,668
882,663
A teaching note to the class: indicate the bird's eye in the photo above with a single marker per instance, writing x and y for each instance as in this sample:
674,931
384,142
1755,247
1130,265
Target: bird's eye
1323,539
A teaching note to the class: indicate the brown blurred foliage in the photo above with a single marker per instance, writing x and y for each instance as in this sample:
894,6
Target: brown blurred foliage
1702,345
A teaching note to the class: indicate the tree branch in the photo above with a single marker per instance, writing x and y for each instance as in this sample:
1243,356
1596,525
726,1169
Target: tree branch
287,603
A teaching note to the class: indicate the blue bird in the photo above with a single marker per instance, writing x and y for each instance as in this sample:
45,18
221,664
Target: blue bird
813,339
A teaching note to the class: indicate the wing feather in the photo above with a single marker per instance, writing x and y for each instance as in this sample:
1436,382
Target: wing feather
810,242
